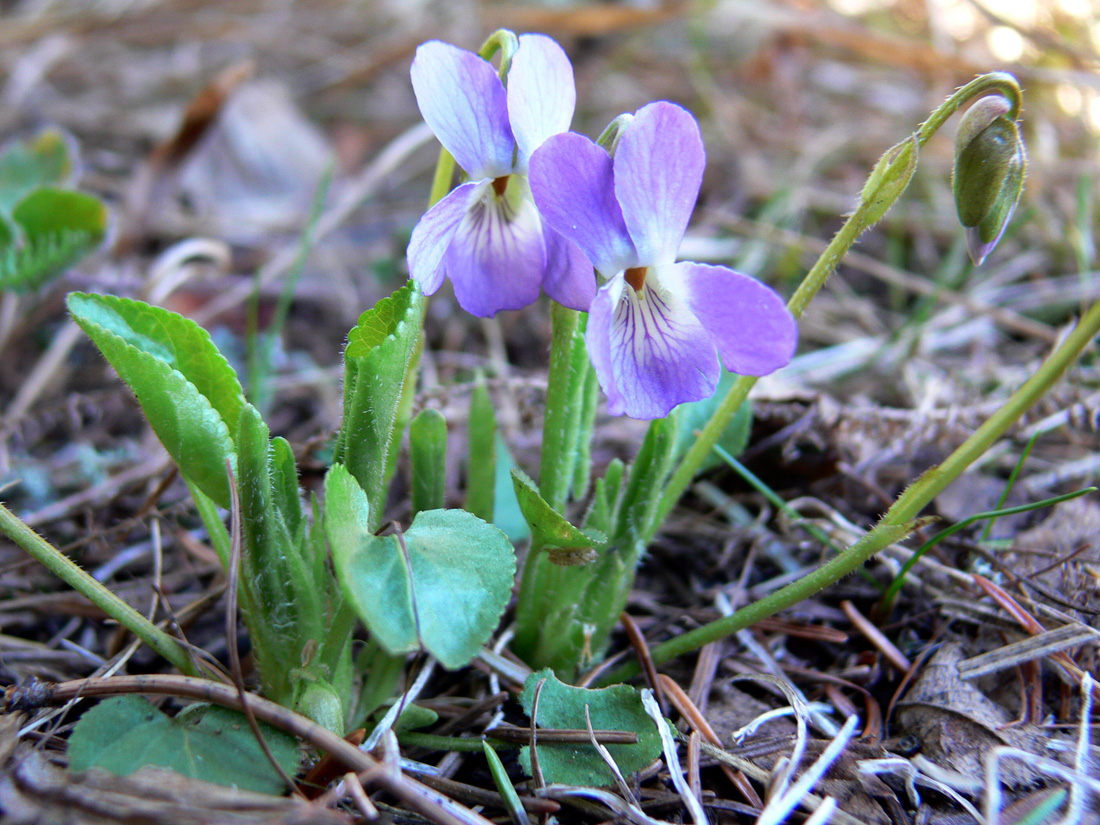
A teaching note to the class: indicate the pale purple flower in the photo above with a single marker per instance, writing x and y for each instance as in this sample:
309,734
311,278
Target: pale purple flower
656,328
487,235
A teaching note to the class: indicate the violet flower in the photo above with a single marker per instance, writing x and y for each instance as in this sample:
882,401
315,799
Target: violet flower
656,328
487,235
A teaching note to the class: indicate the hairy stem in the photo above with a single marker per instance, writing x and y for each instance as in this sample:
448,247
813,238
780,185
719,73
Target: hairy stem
898,520
81,581
861,219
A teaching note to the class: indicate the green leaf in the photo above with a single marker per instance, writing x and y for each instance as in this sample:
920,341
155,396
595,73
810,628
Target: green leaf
47,212
380,371
690,418
564,543
284,479
646,481
606,498
283,600
126,733
446,594
52,229
428,457
44,160
889,179
414,717
504,785
28,266
172,338
187,389
615,708
582,470
506,513
481,465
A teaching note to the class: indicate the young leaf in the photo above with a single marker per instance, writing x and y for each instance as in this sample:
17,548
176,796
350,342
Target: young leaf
605,500
565,543
646,481
590,400
125,733
29,266
44,160
46,212
615,708
380,366
187,389
443,588
56,227
284,481
481,466
178,341
283,600
428,457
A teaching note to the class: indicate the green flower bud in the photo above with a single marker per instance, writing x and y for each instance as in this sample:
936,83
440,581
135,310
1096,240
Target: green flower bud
320,702
990,164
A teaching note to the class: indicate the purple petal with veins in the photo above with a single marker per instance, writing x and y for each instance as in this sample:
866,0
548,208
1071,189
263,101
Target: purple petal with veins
463,101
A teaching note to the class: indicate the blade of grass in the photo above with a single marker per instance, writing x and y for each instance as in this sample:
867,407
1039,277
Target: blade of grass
504,786
1011,483
899,580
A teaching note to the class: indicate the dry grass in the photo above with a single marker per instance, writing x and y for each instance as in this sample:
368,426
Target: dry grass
907,350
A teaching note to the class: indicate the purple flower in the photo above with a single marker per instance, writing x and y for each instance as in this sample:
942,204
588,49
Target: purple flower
487,235
656,328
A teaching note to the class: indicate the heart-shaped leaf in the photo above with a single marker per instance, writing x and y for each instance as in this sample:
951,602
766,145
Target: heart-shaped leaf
187,389
614,708
442,587
125,733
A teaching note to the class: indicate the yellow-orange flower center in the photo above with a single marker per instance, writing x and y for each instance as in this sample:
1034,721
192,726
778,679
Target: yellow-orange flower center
500,185
635,276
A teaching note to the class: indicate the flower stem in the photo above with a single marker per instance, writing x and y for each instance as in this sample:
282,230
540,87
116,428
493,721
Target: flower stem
695,456
562,396
871,207
898,521
441,180
79,580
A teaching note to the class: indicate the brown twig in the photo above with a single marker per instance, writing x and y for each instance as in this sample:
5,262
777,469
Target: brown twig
641,649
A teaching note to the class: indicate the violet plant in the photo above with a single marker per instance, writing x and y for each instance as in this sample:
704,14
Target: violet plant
596,225
486,235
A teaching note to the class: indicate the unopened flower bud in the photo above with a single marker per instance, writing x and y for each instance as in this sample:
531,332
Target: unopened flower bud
990,164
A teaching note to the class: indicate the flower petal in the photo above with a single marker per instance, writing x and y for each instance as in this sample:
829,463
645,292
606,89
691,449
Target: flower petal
650,353
497,256
433,234
658,170
541,94
748,322
573,183
597,336
464,102
570,279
